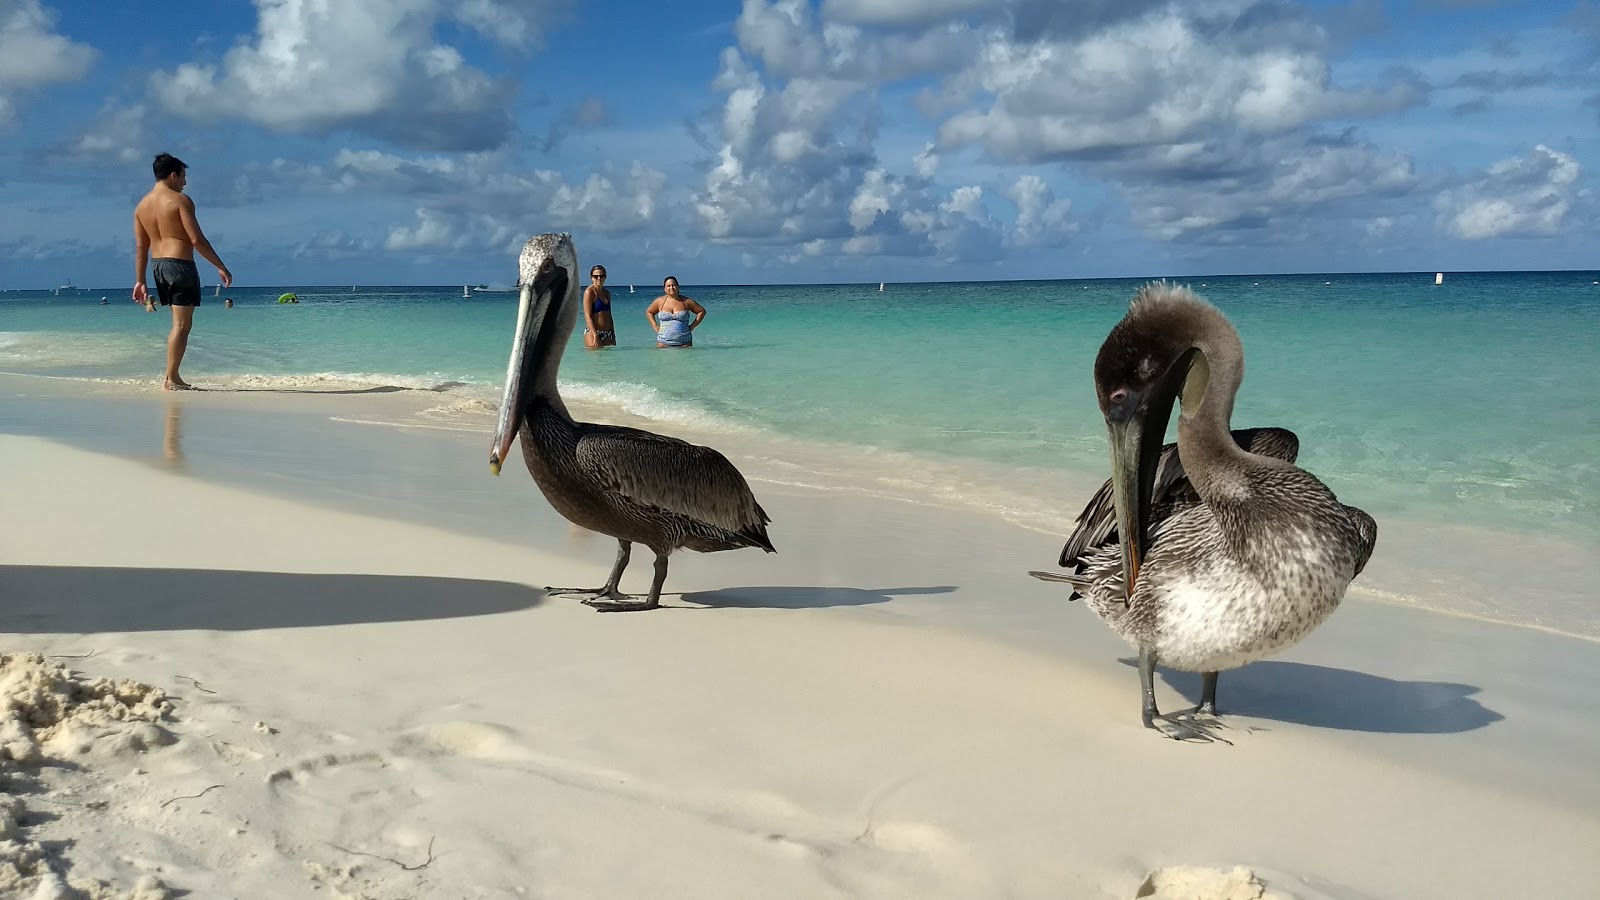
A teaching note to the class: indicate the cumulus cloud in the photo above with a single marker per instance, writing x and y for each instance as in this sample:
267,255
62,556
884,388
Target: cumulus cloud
899,13
1279,190
33,56
367,66
1526,196
1177,74
790,43
1041,218
121,134
795,165
1209,120
333,244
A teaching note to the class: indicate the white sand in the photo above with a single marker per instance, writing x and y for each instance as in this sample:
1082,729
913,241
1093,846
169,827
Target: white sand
363,706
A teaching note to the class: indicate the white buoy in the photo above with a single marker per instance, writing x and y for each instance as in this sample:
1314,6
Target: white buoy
1438,278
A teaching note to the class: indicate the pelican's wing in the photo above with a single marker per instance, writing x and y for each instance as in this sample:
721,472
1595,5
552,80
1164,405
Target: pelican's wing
672,475
1097,524
1367,531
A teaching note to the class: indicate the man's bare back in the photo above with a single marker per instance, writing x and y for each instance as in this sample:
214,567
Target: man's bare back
161,215
165,228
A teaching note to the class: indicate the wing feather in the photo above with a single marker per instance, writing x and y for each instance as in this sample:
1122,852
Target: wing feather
1097,524
673,475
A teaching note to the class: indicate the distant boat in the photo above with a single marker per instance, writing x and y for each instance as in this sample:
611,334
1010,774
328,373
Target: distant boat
880,287
1438,278
466,291
219,291
494,289
66,286
630,288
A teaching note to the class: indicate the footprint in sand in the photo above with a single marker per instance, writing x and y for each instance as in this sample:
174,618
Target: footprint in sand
317,765
471,740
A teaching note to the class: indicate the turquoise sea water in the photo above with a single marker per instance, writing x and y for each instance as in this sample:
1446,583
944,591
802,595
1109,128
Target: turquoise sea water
1475,402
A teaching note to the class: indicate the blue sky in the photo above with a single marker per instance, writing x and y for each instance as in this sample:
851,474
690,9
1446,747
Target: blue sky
421,141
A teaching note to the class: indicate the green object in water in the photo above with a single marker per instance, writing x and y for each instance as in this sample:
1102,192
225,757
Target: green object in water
288,298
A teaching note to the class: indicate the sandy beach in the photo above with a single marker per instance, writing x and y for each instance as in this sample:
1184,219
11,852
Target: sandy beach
257,649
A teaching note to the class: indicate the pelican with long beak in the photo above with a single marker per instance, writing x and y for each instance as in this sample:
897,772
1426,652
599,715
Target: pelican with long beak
1214,552
633,485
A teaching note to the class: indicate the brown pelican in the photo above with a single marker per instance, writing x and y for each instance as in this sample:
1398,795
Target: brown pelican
1216,551
631,484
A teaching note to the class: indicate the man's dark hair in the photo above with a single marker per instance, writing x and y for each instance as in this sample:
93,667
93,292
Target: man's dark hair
167,164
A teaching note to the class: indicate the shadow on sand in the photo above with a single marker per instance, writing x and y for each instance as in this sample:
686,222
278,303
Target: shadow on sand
796,597
56,599
1324,697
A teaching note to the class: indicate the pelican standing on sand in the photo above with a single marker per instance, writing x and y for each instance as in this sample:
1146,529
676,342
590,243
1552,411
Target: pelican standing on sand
1214,552
636,486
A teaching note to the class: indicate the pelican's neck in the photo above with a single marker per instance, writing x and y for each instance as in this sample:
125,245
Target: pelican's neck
554,334
1205,440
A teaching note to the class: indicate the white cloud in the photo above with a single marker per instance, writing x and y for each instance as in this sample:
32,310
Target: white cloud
437,231
1041,218
368,66
1527,196
1173,76
121,134
796,165
790,43
1279,190
33,56
901,13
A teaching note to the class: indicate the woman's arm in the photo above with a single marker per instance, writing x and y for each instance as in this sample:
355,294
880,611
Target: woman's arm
698,310
650,315
588,307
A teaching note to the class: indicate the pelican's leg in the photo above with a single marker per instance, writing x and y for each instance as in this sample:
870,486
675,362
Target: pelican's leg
609,591
623,603
1208,695
1147,685
1181,726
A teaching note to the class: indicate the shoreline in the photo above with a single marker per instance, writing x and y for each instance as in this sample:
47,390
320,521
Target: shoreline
1470,572
359,683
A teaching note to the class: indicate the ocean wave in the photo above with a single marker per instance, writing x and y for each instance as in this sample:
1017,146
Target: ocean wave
646,402
68,350
332,381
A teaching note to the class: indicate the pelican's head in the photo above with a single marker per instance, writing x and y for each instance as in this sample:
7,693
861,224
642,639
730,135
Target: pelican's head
548,270
1144,364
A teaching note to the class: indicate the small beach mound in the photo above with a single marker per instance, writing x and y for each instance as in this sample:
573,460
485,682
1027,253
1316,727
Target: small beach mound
1201,883
54,717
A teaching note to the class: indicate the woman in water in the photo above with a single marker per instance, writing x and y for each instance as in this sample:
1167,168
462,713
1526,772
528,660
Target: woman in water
598,329
670,316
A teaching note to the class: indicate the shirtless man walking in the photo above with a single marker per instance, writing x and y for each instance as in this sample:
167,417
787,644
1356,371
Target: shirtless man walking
164,223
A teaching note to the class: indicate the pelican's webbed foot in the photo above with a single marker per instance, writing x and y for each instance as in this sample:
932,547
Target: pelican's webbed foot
1199,725
615,602
1194,725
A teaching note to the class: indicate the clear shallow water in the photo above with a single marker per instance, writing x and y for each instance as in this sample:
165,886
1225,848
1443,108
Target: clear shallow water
1469,403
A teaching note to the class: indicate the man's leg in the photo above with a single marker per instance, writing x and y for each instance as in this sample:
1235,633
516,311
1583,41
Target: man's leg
177,342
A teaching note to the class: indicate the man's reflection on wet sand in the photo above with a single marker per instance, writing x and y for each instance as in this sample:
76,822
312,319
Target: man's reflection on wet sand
172,438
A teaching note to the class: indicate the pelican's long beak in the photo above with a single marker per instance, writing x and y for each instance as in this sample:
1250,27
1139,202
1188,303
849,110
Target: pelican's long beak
530,312
1129,493
1138,430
